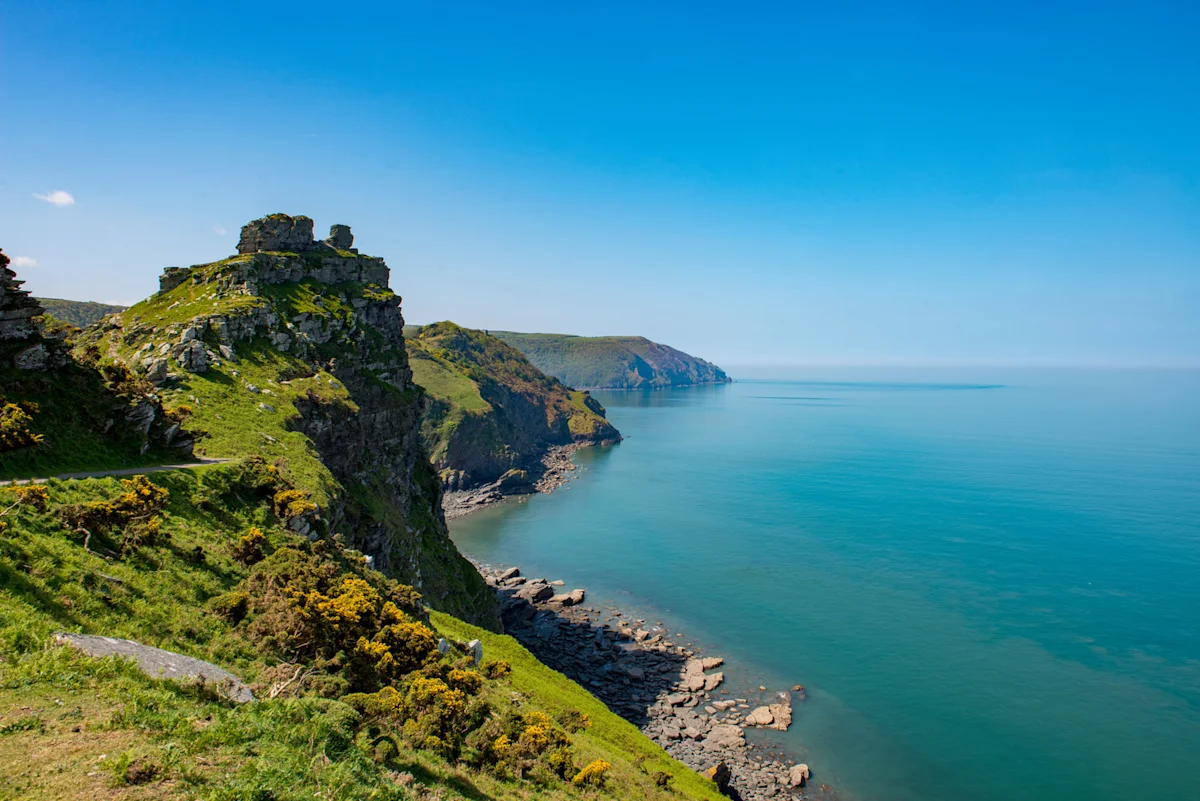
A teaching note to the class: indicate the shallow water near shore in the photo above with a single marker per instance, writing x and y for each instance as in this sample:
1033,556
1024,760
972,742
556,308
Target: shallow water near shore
986,580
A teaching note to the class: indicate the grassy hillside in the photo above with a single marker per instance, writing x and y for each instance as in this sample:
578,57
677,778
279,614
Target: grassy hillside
612,362
79,313
354,700
491,410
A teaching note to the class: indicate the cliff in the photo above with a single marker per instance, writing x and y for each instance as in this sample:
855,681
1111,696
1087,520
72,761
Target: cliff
492,414
613,362
293,351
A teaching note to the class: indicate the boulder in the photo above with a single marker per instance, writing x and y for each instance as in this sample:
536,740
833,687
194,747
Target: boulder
676,699
710,662
775,716
760,717
340,237
277,232
160,664
712,681
725,735
475,649
799,775
720,775
534,592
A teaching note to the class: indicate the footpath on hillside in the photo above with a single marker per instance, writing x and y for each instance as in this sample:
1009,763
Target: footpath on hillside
124,471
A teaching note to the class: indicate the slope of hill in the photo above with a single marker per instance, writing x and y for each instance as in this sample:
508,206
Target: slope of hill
613,362
492,415
79,313
293,351
354,699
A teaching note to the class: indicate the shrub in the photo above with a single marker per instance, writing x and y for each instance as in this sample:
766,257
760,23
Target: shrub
14,426
135,511
662,779
230,605
496,668
561,762
307,610
573,720
178,413
290,503
593,775
35,495
249,549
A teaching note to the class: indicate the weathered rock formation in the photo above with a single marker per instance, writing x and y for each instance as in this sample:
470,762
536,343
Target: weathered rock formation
18,311
280,233
17,308
328,310
160,664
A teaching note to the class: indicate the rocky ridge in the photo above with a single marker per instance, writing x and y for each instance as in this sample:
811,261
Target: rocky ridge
19,312
673,694
493,416
295,335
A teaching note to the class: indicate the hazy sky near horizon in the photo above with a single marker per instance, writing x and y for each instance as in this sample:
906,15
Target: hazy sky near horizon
755,183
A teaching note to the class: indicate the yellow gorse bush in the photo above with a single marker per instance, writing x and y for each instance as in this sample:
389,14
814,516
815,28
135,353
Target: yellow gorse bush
592,775
14,426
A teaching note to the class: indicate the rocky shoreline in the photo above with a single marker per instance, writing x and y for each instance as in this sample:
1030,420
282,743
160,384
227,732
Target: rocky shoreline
675,696
554,470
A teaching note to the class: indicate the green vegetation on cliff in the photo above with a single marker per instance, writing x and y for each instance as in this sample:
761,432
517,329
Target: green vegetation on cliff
490,410
79,313
613,362
354,701
299,359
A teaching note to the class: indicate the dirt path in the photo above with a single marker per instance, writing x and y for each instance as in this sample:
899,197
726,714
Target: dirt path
124,471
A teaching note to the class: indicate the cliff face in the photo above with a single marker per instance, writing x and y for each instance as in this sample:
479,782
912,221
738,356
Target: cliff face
613,362
491,412
294,351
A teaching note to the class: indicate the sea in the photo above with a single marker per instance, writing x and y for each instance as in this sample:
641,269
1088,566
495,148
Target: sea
987,580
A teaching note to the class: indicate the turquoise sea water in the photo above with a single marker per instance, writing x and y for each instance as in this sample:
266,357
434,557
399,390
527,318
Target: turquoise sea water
989,582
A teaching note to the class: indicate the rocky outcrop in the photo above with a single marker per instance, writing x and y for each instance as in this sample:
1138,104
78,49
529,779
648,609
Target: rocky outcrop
25,345
328,311
281,233
160,664
276,232
17,308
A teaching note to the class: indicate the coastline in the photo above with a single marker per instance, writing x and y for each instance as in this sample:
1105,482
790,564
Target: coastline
554,469
676,696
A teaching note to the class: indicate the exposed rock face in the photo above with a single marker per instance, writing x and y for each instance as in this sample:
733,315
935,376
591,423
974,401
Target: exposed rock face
160,664
340,237
277,232
17,308
31,351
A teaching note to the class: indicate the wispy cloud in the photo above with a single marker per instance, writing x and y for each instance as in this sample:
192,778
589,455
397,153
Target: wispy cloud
24,261
57,198
219,230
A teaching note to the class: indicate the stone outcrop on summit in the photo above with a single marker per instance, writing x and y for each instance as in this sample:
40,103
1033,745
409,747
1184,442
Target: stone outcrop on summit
307,338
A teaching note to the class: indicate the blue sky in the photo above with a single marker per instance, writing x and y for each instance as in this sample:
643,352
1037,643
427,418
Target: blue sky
758,183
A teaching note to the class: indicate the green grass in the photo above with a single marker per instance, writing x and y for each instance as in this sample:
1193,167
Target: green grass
73,727
446,383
